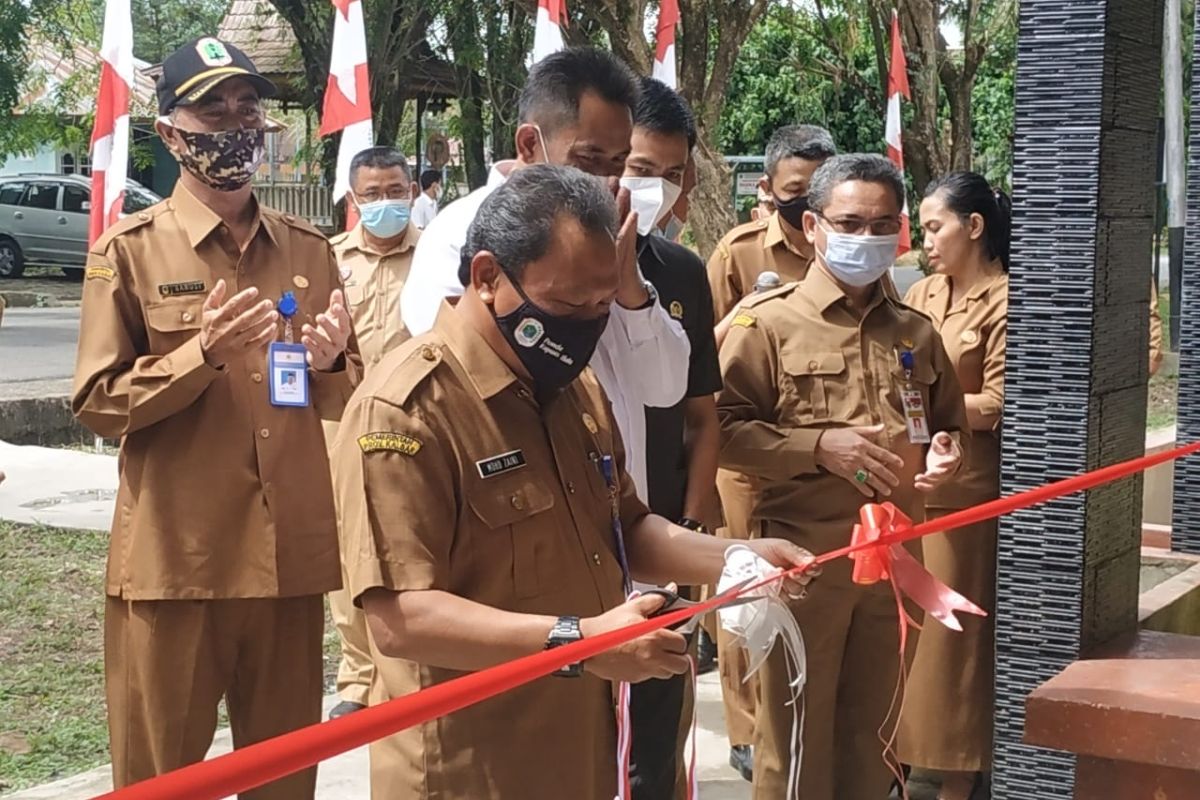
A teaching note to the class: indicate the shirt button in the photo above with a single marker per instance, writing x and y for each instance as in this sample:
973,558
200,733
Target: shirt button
596,559
428,354
264,433
375,359
256,377
570,487
517,502
187,316
812,365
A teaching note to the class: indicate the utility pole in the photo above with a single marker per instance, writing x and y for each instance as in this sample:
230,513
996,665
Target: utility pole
1176,166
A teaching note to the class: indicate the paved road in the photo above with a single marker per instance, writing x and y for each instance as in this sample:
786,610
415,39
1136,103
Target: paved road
37,351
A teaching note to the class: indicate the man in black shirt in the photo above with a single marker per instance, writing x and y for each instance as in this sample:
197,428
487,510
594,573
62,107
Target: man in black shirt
682,442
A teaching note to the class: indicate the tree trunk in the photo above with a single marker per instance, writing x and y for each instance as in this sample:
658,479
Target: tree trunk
471,112
710,213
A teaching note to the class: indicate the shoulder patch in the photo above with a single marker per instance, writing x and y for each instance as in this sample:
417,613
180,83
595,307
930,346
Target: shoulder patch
389,441
761,297
744,321
100,273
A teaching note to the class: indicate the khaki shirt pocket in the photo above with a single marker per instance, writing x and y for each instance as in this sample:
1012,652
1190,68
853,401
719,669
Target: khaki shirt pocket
811,382
172,322
515,510
355,295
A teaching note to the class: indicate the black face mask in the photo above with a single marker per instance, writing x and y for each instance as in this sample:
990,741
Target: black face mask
553,349
792,210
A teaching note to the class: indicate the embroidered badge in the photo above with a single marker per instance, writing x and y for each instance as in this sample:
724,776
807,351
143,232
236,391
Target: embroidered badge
300,281
213,53
529,332
497,465
184,287
676,309
589,422
970,336
743,321
386,440
103,273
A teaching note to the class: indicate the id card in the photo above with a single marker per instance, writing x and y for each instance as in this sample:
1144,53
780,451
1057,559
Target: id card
288,367
914,416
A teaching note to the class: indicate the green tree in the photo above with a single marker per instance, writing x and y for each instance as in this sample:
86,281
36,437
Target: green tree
161,26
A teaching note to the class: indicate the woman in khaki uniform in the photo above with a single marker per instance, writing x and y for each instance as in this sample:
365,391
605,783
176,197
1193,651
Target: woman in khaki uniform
947,721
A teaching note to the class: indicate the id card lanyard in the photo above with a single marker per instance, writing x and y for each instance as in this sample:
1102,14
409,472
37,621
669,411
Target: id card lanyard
914,404
287,361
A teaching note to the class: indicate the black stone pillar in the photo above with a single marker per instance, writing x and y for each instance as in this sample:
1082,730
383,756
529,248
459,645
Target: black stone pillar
1083,177
1185,526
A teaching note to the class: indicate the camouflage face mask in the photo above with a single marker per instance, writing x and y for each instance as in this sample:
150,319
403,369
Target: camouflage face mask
225,160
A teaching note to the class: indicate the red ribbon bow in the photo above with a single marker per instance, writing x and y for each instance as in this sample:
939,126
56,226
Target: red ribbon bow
908,576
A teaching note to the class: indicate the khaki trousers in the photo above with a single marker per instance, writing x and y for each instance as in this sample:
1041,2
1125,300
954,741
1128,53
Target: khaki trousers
852,640
739,696
168,663
356,668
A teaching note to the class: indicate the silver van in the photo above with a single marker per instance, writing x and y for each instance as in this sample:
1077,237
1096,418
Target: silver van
44,220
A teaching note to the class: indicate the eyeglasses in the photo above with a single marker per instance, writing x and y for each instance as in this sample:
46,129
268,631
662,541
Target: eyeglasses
855,226
375,195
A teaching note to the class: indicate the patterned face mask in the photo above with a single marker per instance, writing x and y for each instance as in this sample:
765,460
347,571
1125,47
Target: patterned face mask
225,160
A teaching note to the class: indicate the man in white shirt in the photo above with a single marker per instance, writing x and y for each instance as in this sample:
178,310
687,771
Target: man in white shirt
576,109
425,207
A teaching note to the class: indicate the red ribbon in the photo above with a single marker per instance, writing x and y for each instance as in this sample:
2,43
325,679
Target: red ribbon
260,763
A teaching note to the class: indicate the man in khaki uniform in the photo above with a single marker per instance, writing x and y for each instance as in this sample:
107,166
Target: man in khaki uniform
487,511
224,538
835,395
776,243
374,259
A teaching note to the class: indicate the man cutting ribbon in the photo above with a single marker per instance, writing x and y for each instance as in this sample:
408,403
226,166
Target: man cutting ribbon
835,394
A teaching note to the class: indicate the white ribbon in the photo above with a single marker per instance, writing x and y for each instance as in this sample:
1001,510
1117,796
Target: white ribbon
756,625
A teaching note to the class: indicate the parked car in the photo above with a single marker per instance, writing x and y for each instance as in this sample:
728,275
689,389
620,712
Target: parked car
44,220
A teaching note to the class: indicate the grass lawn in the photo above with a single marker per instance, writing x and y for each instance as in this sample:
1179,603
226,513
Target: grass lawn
52,721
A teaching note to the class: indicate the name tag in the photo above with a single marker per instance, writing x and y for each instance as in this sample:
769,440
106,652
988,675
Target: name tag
914,416
497,465
176,289
288,367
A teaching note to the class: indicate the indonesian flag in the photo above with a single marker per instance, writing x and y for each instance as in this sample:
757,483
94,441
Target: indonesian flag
348,96
110,136
664,52
547,31
897,87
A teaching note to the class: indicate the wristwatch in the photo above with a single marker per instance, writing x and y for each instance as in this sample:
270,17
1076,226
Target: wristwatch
565,631
693,525
652,296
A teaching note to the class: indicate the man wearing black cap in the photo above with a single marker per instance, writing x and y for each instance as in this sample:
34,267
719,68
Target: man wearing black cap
195,312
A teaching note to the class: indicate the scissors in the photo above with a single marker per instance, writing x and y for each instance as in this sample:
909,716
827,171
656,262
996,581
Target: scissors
673,602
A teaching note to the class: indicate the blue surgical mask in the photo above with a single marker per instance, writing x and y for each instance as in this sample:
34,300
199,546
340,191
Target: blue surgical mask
385,218
859,260
673,228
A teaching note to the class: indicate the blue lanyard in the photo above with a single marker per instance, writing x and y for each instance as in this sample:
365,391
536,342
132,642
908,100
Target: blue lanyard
610,480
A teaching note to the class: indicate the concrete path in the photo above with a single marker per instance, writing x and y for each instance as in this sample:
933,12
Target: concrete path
346,777
63,488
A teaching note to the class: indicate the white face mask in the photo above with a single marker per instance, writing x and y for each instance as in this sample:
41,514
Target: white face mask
859,260
652,199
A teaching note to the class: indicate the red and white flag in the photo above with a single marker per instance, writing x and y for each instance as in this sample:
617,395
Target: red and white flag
348,96
547,30
110,135
897,88
664,46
